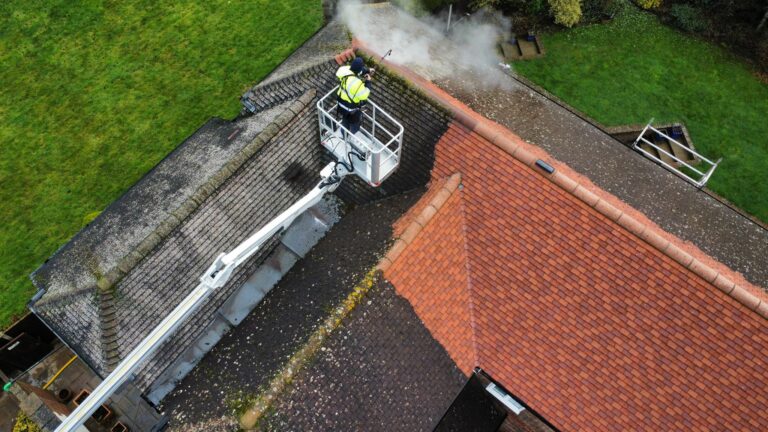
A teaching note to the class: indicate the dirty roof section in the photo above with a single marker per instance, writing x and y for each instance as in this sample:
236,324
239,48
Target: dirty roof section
572,308
154,242
381,371
250,355
117,318
124,225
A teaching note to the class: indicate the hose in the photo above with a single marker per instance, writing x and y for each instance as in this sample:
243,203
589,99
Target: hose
53,378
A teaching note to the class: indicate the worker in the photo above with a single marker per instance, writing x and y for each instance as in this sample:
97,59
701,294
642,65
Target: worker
354,89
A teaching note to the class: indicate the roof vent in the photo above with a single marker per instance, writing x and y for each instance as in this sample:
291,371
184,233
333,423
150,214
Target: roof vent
545,166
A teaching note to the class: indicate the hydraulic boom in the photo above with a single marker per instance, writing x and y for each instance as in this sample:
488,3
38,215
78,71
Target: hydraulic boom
215,277
373,154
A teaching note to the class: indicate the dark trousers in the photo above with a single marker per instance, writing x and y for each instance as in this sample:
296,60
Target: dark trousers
351,120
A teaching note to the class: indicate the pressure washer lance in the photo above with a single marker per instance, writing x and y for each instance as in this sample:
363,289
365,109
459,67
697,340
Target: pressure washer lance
369,74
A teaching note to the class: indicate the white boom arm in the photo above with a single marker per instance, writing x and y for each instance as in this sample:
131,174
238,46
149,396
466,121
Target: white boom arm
215,277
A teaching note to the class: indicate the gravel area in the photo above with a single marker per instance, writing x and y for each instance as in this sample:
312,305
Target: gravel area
382,371
249,356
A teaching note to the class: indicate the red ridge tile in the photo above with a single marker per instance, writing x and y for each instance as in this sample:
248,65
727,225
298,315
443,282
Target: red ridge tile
745,297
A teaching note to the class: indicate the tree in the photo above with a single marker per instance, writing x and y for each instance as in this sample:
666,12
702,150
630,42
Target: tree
566,12
648,4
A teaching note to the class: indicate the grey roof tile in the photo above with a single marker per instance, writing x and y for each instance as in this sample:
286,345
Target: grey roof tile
197,223
99,248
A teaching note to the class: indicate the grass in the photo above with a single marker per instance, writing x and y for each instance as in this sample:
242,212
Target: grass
95,93
635,68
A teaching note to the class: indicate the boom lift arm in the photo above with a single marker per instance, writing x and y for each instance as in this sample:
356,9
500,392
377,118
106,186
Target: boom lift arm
221,270
215,277
373,154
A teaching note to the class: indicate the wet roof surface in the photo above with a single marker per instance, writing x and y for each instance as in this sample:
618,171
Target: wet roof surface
381,371
253,352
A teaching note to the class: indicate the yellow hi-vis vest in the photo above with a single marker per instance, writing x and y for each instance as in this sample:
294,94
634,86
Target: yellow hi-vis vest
351,88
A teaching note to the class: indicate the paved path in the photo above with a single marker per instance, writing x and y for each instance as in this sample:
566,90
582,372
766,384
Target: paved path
8,412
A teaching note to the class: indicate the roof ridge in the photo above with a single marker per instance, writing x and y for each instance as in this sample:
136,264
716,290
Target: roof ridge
746,294
108,324
124,266
344,56
276,92
751,298
440,196
419,222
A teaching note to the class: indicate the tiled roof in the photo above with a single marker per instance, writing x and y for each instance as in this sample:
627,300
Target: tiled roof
381,371
248,195
424,122
115,280
595,319
591,325
454,330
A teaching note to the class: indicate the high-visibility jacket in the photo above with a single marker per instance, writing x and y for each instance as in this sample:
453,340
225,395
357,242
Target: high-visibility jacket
352,90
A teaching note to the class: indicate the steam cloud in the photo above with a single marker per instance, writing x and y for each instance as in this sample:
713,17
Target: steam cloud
468,54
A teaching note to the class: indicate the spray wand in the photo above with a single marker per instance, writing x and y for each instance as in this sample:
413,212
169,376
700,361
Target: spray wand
373,71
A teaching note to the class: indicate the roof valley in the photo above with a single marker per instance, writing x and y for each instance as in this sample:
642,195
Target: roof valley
444,193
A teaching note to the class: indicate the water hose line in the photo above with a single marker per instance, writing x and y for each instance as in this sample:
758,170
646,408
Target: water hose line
53,378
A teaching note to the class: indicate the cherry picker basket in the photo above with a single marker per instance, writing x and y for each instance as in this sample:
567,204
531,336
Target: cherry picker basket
374,151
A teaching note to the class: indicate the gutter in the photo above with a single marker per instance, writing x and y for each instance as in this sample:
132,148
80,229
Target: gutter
38,295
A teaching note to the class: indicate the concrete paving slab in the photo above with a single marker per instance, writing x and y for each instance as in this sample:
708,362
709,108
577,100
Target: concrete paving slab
8,411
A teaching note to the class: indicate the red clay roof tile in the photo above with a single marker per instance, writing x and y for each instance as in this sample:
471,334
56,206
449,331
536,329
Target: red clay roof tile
588,323
723,284
599,325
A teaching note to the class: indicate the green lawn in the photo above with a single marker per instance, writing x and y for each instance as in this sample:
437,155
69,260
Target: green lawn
635,68
95,93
